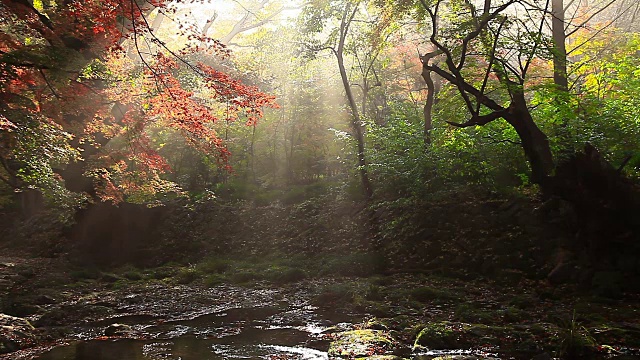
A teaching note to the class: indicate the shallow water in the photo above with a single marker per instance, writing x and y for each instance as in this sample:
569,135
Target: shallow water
277,331
188,348
221,323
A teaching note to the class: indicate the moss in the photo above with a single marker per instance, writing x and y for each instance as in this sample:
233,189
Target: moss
522,301
133,275
428,294
513,314
360,343
439,335
283,275
214,279
244,276
119,284
468,312
214,265
85,273
163,272
187,275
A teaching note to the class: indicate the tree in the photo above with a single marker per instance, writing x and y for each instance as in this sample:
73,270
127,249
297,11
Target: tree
559,46
345,13
505,47
65,83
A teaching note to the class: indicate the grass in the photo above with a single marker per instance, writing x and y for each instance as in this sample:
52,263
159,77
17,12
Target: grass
187,275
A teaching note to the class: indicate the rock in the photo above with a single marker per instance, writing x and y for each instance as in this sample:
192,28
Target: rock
118,330
21,309
375,324
44,300
361,343
15,333
440,335
70,314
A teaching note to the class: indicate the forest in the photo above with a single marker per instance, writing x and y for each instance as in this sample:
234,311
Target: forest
319,179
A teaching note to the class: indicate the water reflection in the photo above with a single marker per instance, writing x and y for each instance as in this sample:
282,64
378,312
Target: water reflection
241,333
183,348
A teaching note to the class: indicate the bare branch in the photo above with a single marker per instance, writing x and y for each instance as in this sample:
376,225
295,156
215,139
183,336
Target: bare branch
535,47
578,27
480,26
46,80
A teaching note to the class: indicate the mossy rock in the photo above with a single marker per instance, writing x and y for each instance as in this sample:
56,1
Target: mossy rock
441,335
361,344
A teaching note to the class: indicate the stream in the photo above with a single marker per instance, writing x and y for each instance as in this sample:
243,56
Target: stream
224,322
220,323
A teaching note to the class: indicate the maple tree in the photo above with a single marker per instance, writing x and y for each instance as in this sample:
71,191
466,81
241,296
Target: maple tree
75,113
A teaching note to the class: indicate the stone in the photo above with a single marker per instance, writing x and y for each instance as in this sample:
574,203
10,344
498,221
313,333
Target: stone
440,335
118,330
361,343
15,333
44,300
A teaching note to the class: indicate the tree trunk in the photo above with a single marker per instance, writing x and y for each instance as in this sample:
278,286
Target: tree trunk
356,125
356,122
534,141
428,106
559,48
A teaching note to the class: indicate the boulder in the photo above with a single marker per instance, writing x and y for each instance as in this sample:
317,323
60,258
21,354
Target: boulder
361,343
441,335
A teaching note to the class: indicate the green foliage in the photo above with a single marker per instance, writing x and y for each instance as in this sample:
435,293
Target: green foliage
398,164
285,274
575,340
605,111
40,147
187,275
214,265
489,156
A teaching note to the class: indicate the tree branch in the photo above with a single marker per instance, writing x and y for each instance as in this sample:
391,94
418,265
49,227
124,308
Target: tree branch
467,88
480,119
